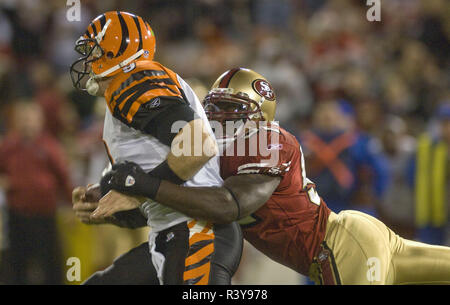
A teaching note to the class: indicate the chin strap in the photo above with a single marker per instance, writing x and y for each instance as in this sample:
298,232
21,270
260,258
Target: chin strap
92,85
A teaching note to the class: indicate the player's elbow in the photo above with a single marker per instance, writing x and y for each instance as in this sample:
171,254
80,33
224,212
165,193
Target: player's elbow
226,210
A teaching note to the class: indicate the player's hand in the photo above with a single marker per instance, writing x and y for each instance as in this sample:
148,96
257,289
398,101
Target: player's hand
84,205
114,202
129,178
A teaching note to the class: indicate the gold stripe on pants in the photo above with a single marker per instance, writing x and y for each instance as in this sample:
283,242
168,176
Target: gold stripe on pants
366,252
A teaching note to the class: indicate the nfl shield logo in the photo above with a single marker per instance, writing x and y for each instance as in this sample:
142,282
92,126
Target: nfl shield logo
129,181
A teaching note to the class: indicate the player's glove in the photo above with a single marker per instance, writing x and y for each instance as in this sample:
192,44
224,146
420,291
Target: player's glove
130,178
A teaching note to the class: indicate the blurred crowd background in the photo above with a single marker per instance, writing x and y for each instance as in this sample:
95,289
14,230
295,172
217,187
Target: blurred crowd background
368,101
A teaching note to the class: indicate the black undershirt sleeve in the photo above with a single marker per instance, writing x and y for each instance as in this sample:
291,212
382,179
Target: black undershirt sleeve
164,172
157,116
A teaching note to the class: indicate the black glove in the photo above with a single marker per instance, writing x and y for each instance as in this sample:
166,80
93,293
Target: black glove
130,178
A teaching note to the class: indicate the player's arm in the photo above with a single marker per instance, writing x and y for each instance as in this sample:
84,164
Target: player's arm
86,199
237,198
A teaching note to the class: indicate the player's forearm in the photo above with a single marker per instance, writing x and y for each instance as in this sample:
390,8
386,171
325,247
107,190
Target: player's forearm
239,197
213,204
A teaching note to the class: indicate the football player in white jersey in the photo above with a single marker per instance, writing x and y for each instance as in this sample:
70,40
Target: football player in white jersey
151,119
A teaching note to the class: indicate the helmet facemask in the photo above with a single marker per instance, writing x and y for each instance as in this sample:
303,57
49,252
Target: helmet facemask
224,107
221,105
90,51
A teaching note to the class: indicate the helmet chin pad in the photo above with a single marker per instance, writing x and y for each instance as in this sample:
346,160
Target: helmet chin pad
92,86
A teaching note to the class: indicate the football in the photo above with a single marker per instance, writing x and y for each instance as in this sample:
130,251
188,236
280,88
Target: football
93,193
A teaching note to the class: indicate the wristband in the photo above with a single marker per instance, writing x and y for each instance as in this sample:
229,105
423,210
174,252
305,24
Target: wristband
164,172
131,179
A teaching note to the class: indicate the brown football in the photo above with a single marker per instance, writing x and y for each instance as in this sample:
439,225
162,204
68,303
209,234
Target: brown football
93,193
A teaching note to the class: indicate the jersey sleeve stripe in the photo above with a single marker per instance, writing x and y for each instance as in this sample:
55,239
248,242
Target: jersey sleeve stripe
174,76
134,108
127,93
125,106
249,171
264,170
158,83
255,168
137,77
142,87
253,165
145,90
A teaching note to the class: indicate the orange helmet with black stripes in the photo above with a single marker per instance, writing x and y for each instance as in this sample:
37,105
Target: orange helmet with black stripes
112,41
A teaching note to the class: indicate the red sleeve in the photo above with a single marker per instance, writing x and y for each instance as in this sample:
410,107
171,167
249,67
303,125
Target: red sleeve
267,152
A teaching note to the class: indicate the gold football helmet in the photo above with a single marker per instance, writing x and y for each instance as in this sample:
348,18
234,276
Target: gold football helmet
240,94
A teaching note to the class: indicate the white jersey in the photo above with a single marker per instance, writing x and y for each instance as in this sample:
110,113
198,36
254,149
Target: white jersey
128,144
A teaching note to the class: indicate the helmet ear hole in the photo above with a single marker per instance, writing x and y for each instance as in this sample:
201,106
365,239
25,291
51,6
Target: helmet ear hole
110,55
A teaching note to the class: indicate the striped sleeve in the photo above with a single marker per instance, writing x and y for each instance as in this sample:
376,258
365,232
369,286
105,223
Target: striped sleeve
278,169
150,100
144,91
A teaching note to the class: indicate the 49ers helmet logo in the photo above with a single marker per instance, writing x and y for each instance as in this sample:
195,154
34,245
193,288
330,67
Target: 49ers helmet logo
263,88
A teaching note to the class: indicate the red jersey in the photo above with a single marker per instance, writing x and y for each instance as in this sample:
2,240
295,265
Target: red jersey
291,225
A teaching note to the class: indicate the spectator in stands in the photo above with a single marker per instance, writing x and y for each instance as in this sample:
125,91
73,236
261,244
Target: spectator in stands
345,165
397,203
35,177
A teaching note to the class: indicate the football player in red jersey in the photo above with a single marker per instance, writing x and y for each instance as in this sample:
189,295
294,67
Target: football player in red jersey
278,208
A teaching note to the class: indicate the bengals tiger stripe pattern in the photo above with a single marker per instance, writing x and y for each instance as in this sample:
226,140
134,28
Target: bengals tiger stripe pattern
130,92
201,248
131,26
122,39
